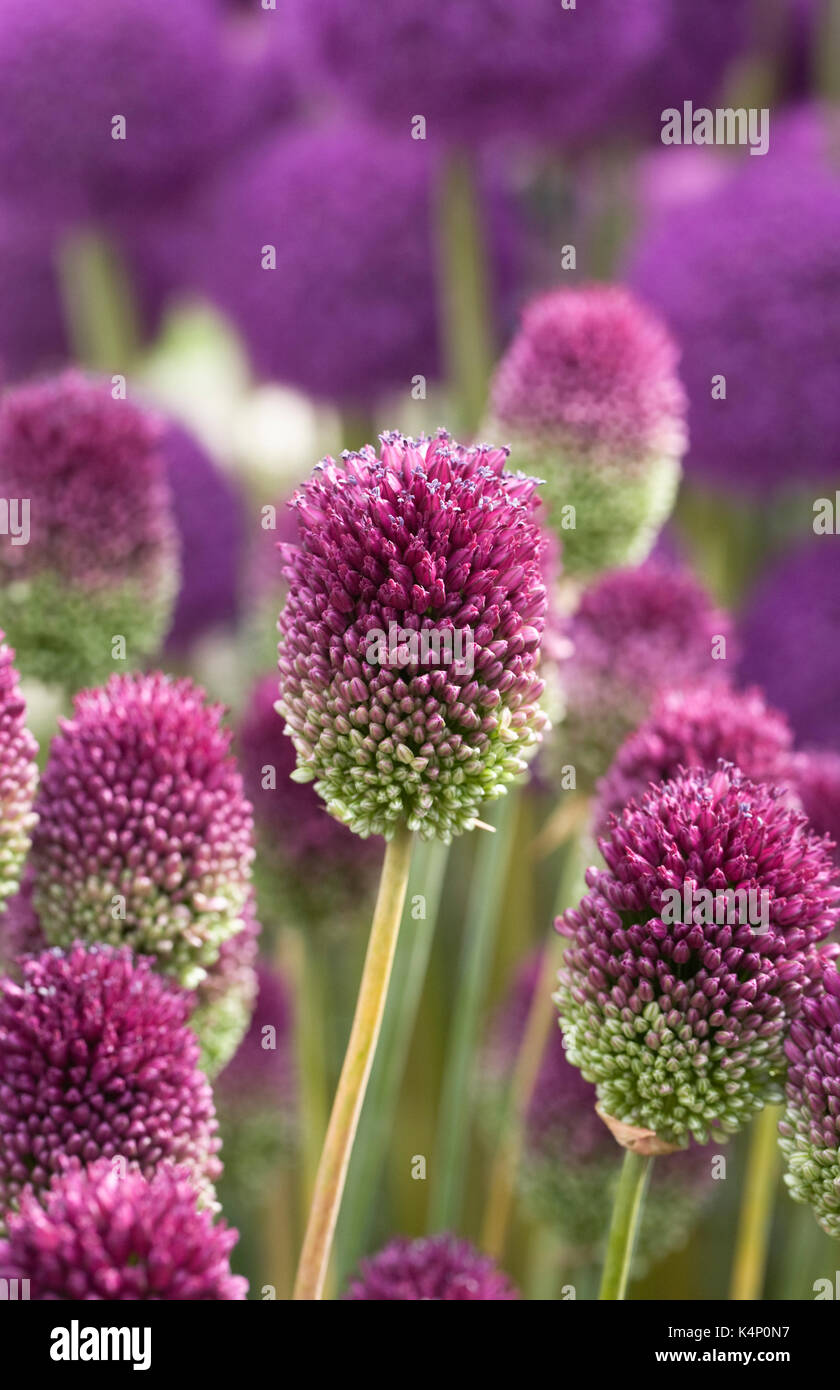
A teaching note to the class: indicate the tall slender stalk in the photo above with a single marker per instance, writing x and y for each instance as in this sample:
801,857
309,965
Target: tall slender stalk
627,1211
355,1072
463,280
756,1217
99,309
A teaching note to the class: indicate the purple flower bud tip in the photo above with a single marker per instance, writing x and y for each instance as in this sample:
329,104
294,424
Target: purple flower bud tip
437,1268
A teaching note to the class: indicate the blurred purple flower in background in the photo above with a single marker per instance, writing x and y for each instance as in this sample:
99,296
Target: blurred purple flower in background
436,1268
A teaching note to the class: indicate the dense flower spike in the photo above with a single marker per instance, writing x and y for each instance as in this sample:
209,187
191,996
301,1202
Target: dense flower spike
816,778
589,396
696,727
100,559
810,1127
635,632
435,546
679,1017
97,1061
18,776
760,247
145,836
790,633
436,1268
97,1234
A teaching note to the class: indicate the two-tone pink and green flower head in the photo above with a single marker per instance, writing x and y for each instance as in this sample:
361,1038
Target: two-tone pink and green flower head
18,777
589,396
88,569
144,837
810,1127
693,953
410,640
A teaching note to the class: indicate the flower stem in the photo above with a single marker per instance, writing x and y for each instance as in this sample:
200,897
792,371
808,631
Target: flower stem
464,294
627,1211
358,1060
99,308
763,1162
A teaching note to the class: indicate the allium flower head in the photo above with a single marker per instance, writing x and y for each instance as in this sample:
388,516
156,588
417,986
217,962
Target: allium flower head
810,1127
18,776
224,1001
816,778
98,1235
145,836
97,1061
696,727
432,538
635,632
100,558
436,1268
678,1016
589,394
790,634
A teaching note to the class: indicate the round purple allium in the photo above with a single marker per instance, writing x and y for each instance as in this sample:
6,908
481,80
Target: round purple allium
436,1268
100,560
589,395
32,330
635,632
71,73
696,727
692,953
97,1061
790,635
98,1235
18,776
333,296
20,929
816,777
810,1127
697,49
479,68
144,836
208,514
748,280
410,639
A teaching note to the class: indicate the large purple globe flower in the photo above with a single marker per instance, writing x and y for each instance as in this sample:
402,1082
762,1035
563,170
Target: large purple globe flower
436,1268
677,1001
790,634
747,279
437,542
100,559
18,776
696,727
97,1061
816,778
145,836
97,1234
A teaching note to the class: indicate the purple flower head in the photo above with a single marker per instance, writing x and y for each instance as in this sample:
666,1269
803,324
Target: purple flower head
692,953
696,727
816,777
810,1127
97,1061
437,1268
100,558
144,836
635,632
20,929
439,543
261,1069
790,633
748,281
18,776
97,1234
32,330
589,393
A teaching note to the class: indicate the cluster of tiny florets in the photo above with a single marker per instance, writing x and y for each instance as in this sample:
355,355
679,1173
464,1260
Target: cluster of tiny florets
437,1268
810,1127
18,776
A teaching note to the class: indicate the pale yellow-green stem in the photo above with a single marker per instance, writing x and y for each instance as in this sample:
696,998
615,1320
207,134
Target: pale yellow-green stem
754,1222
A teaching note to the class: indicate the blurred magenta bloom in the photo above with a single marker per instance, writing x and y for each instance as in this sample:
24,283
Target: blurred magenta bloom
18,776
437,1268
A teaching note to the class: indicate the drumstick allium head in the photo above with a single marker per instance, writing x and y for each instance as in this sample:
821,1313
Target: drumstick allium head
18,776
810,1127
410,639
436,1269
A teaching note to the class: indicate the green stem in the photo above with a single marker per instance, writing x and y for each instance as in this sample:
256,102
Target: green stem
409,974
355,1072
463,281
99,307
755,1220
313,1107
627,1211
475,964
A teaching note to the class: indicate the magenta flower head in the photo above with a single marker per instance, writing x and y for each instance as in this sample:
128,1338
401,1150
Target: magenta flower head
436,1268
692,953
635,632
99,1234
589,396
145,836
816,778
97,1061
18,777
696,727
410,639
92,554
810,1127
